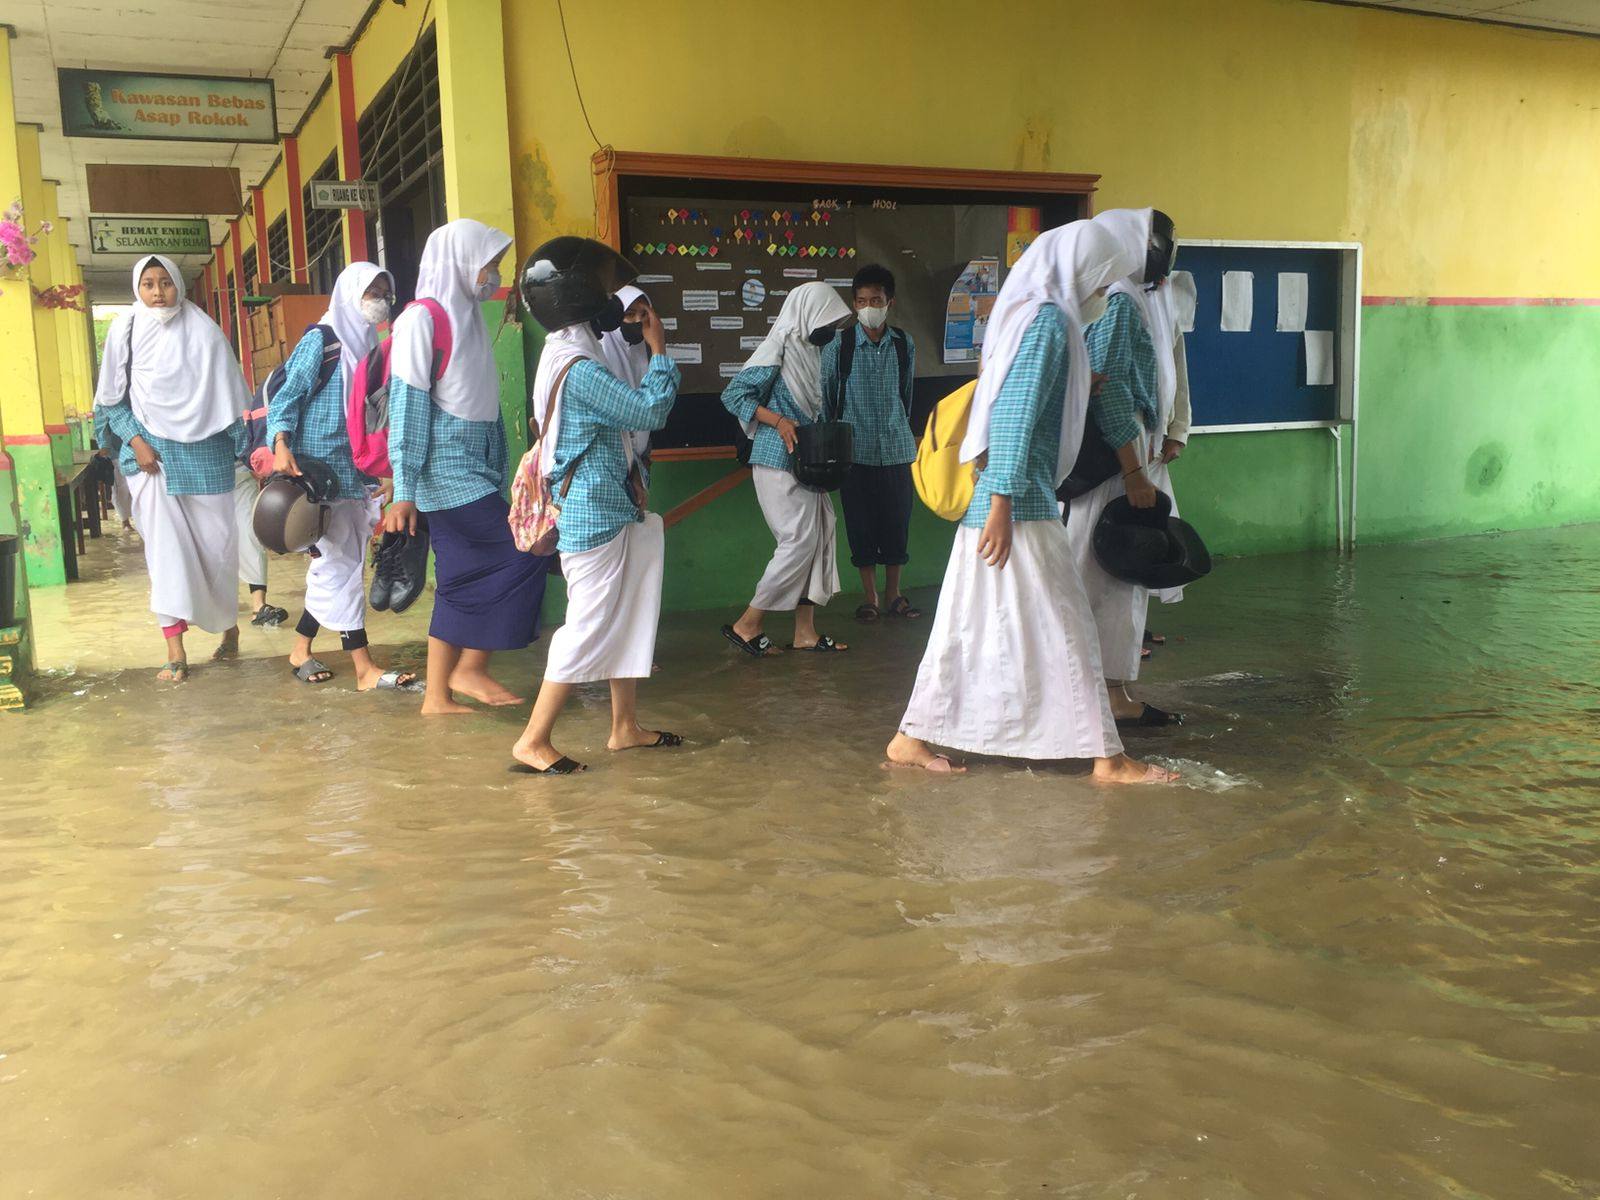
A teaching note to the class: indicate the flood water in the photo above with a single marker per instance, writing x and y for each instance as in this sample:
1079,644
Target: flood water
264,940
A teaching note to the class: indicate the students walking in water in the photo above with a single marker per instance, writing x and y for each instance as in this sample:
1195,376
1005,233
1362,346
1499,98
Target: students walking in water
306,419
1012,666
611,549
171,395
780,389
447,445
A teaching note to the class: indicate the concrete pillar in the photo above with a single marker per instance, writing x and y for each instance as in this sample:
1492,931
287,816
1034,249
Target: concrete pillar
472,111
237,310
297,209
355,221
36,210
258,208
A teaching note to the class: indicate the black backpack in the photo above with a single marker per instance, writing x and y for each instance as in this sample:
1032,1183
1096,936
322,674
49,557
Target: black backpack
847,358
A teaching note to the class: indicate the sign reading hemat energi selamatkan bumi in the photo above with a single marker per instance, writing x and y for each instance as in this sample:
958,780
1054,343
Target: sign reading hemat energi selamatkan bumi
149,235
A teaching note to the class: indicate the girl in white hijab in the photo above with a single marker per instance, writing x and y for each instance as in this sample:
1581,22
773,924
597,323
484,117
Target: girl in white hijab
171,394
1133,348
1012,666
447,445
306,419
780,389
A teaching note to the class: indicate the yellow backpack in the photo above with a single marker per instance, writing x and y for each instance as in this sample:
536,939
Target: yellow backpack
943,481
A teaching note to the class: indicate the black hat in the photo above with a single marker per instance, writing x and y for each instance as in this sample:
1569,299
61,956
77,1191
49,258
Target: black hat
1149,546
1162,250
569,280
291,511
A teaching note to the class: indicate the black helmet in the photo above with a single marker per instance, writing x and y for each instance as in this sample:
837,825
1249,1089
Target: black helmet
1149,546
569,280
1162,251
291,510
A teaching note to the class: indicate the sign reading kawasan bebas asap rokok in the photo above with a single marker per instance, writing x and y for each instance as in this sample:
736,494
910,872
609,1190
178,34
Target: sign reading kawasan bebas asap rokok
183,108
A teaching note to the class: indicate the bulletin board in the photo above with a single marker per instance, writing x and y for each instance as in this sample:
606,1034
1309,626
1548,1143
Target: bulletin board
1276,336
719,242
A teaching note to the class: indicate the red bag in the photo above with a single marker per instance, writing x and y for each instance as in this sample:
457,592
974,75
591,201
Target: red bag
366,410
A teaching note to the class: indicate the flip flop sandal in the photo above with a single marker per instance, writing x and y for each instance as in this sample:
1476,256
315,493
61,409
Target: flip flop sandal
903,608
562,766
1150,717
867,612
225,652
757,647
311,671
269,616
177,672
399,681
825,645
1154,639
664,741
1144,653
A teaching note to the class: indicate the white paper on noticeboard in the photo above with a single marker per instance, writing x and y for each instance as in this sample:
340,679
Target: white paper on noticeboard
1293,287
1238,300
1182,286
684,352
1319,358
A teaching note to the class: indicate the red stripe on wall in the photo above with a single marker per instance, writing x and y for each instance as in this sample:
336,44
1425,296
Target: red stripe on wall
27,439
5,461
1483,301
58,429
355,221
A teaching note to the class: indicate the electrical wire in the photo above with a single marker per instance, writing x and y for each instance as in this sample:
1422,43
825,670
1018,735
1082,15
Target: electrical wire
583,108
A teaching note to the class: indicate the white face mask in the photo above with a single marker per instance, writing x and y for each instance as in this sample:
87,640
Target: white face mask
165,315
374,309
1094,308
489,286
873,318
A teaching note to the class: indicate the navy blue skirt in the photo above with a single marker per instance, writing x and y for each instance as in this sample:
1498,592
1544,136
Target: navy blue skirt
487,593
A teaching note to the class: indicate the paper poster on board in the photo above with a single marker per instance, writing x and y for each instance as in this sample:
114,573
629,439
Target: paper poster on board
966,314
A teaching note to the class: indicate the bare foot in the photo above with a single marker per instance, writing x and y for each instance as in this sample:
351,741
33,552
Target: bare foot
751,634
839,647
537,757
1123,769
368,679
483,688
906,751
174,672
448,707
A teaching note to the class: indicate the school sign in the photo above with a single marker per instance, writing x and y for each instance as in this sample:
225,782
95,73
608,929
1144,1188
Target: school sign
149,235
180,108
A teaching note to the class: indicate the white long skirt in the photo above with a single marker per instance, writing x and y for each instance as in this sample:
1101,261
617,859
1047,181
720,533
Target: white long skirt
1119,608
1161,476
336,594
805,565
1012,666
613,608
121,498
252,554
191,550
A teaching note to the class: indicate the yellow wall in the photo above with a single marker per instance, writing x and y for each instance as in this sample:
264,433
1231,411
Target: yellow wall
1268,119
388,39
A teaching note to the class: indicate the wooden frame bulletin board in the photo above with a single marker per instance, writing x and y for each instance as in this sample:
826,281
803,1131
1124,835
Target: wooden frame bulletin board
621,177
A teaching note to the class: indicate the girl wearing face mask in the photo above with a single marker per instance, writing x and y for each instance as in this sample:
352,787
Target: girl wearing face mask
1012,667
627,357
447,445
170,395
780,389
1126,411
307,421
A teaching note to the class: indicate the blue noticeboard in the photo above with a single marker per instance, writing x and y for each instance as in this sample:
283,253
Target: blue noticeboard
1259,377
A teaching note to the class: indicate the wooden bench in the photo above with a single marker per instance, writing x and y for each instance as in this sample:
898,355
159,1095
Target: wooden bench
78,501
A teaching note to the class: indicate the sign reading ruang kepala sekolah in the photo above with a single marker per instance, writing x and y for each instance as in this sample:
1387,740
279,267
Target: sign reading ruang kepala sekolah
184,108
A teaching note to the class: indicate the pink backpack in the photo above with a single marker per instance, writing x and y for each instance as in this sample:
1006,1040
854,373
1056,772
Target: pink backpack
366,409
534,507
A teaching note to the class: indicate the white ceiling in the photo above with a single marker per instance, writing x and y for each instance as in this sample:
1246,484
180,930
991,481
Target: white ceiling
286,39
1566,16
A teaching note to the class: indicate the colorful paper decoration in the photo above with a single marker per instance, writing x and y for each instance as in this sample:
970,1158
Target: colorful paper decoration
713,251
772,247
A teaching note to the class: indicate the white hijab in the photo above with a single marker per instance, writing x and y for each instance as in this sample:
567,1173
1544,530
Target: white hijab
628,363
356,334
788,347
448,274
562,348
185,382
1063,266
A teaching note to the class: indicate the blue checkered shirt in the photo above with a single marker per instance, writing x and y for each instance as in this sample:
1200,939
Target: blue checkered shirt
597,411
1025,427
1121,350
763,387
203,468
314,419
441,461
877,402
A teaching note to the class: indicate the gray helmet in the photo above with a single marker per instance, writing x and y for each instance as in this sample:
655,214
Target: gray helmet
569,280
291,510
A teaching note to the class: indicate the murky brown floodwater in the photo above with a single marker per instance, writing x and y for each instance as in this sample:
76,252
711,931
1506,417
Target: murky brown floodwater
259,940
